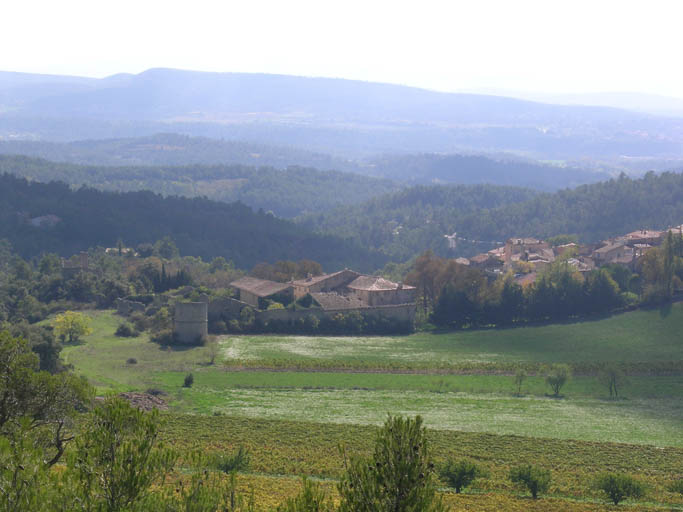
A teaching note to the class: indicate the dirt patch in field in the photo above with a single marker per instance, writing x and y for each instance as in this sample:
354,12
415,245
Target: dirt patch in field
145,401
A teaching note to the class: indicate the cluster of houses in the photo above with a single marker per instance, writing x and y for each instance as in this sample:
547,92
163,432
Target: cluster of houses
342,291
528,256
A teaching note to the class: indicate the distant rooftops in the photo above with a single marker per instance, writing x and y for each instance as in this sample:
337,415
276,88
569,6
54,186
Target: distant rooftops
375,283
259,287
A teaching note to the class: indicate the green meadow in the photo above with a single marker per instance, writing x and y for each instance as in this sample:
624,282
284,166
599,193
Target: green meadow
293,400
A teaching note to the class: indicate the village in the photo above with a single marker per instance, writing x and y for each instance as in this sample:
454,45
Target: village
527,257
333,297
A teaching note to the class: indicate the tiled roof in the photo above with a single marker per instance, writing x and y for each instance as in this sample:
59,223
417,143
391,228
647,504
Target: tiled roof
644,233
608,248
259,287
480,258
374,283
332,301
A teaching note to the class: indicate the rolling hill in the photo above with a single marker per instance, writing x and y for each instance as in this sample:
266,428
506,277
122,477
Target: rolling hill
86,218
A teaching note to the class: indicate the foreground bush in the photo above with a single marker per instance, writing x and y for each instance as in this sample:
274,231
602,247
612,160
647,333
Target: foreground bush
619,487
676,486
399,477
534,478
460,474
311,498
238,461
125,330
117,460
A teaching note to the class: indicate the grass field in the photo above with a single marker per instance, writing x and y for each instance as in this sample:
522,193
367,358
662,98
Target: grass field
292,400
639,336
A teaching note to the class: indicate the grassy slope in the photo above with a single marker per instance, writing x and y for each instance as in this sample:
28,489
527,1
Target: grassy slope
652,411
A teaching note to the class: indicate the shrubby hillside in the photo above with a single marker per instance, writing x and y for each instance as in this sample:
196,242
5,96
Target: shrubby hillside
286,193
199,227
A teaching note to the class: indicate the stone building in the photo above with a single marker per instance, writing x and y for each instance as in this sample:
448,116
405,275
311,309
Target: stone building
190,322
323,283
613,253
251,289
377,291
340,292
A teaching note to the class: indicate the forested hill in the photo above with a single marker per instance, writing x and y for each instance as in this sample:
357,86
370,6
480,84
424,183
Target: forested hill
414,219
409,221
169,149
173,149
471,169
287,193
200,227
593,212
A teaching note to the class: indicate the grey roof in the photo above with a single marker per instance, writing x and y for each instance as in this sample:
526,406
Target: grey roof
609,247
309,281
375,283
259,287
331,301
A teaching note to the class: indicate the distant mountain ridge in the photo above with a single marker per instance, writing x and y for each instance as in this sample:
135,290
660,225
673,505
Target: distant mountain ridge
337,116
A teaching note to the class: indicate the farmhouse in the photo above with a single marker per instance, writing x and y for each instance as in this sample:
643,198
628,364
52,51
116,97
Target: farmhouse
328,294
251,290
377,291
323,283
615,252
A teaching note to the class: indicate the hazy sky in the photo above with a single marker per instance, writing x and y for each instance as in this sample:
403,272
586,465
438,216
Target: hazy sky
545,46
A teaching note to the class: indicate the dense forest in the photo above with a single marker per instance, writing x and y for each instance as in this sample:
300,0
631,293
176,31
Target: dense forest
287,193
593,212
471,169
411,220
200,227
405,223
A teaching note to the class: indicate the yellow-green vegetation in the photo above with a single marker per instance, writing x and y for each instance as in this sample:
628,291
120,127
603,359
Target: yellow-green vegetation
292,448
291,400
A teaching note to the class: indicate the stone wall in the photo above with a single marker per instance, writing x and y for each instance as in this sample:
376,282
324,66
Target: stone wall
398,312
190,322
127,307
375,298
227,306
